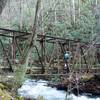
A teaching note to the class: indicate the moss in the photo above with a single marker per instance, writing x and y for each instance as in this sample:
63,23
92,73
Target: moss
6,95
7,85
86,77
40,98
2,86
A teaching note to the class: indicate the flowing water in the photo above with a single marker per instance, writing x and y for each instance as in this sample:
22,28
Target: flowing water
33,89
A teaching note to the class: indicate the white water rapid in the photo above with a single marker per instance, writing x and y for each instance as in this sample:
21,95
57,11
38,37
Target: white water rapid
33,89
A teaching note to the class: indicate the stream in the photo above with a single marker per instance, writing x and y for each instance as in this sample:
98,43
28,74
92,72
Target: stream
32,89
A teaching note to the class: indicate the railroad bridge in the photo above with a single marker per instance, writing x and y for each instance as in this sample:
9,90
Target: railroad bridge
49,60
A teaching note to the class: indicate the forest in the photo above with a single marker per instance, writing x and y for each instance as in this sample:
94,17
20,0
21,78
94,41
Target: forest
49,49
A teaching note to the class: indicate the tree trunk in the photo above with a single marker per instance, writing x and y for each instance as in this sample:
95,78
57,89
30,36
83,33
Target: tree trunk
32,38
72,11
2,5
79,9
21,70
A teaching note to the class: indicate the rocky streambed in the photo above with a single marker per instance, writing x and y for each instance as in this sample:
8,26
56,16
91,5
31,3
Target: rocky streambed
90,86
34,88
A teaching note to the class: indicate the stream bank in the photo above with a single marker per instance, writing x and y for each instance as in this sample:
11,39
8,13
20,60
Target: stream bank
90,86
32,89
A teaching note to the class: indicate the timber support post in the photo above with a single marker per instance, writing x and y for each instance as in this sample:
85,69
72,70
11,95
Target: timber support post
14,48
42,43
10,65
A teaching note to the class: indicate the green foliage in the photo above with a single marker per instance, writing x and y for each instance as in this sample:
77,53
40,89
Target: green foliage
55,18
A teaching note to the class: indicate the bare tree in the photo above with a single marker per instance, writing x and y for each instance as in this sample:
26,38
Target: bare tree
72,11
2,5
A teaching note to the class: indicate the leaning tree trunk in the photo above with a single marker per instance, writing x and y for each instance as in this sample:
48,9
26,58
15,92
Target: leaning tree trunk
2,5
21,70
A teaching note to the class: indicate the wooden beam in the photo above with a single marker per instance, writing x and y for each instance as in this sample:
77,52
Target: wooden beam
13,31
39,36
20,36
9,36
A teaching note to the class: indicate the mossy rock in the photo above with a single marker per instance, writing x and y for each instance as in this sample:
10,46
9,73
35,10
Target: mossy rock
86,77
18,98
2,86
40,98
5,95
7,86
